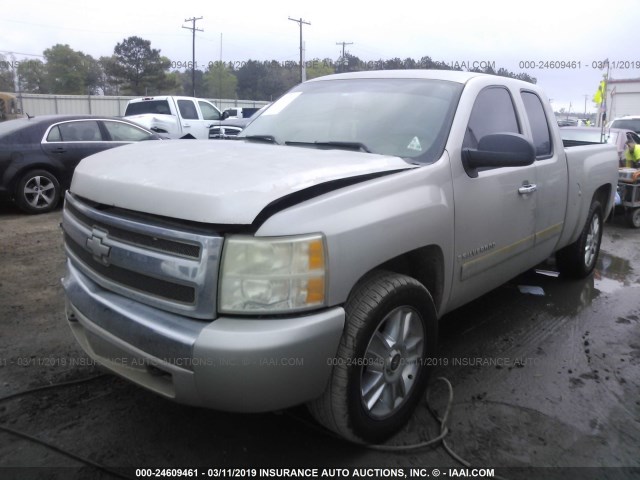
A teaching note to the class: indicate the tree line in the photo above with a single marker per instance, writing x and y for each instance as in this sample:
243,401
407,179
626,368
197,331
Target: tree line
135,68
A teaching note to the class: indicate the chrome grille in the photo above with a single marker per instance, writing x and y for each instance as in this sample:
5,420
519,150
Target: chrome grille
175,270
143,283
224,132
161,244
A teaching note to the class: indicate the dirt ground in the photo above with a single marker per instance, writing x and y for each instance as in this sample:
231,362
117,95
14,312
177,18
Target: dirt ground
542,377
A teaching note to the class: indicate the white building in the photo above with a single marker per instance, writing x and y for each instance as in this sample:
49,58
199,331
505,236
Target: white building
623,97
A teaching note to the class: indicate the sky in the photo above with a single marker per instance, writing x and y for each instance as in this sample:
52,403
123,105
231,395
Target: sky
529,37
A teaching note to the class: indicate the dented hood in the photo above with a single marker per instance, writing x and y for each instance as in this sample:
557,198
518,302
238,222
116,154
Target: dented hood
211,181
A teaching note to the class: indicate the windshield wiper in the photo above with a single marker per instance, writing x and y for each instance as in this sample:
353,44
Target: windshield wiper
261,138
361,147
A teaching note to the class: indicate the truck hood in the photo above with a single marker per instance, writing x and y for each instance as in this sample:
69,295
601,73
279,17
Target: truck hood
215,181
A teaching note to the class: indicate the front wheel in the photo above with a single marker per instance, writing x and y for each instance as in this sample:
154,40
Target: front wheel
579,259
381,369
37,191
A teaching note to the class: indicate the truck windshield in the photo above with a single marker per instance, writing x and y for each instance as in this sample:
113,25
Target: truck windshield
408,118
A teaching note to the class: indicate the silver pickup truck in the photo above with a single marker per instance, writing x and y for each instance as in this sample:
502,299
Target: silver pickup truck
311,262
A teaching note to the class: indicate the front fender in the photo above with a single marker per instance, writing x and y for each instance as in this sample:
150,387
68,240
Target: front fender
375,221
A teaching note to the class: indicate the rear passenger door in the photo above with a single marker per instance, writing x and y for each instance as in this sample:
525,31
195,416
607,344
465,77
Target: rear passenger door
66,143
69,142
551,172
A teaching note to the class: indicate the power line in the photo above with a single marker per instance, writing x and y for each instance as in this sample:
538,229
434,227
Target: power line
300,22
22,53
193,50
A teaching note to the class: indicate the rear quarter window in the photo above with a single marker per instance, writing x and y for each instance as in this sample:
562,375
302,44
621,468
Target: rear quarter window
54,135
538,122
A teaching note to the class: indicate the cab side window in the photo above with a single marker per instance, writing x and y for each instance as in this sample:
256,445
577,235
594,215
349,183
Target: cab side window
79,131
188,110
493,112
122,132
208,112
539,124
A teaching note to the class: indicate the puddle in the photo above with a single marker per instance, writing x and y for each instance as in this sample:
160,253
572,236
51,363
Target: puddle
612,273
569,297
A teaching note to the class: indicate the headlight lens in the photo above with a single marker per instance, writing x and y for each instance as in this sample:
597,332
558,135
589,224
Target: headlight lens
272,275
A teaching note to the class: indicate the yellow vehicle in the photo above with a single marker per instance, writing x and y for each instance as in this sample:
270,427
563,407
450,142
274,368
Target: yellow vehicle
8,107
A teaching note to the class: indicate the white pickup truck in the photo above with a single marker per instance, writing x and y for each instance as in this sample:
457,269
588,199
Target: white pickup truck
311,262
175,117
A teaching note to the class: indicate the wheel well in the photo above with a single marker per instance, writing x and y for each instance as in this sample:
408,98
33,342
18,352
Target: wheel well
426,265
603,195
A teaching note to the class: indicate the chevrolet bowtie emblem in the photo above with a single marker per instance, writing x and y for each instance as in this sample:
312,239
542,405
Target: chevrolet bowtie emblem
96,245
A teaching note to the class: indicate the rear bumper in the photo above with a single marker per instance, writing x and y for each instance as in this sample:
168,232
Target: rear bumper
232,364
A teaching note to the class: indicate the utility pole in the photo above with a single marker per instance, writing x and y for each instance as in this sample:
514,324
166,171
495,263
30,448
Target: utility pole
193,49
585,104
344,62
300,22
603,105
220,68
16,80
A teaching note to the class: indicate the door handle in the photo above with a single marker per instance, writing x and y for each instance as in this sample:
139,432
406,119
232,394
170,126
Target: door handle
59,150
528,188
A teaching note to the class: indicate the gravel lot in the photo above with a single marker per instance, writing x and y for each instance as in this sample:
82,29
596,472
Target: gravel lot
549,380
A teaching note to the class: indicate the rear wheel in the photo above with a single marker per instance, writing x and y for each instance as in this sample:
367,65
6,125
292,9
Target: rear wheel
579,259
633,217
380,370
37,191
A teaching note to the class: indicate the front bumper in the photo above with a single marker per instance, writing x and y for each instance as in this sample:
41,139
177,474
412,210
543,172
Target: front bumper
232,364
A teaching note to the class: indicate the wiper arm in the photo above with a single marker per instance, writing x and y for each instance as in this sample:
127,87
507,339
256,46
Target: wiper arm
261,138
346,145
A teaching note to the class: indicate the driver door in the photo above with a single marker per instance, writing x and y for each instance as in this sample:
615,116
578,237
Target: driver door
495,208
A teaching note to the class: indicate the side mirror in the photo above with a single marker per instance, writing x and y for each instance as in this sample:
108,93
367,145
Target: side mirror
499,150
225,115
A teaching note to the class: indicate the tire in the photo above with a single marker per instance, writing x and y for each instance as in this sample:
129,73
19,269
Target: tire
579,259
381,368
37,191
633,217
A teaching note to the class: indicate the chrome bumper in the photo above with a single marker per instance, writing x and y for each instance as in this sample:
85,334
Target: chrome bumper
233,364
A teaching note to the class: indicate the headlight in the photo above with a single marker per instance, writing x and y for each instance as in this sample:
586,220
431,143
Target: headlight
272,275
